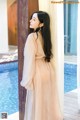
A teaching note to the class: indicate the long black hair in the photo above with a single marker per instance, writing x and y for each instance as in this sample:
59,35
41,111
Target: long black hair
46,34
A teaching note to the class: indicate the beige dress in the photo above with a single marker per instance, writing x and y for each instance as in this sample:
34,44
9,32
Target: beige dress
39,80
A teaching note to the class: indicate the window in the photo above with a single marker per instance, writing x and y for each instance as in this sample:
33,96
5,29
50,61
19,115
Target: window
70,29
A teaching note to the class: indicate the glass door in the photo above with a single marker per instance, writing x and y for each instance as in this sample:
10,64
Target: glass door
70,29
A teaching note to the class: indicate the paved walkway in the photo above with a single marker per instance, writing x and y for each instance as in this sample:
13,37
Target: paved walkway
11,55
71,109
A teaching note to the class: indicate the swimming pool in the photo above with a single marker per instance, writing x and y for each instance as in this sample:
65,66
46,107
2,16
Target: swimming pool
9,85
70,77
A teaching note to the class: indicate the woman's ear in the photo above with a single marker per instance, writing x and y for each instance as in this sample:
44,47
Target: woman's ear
41,24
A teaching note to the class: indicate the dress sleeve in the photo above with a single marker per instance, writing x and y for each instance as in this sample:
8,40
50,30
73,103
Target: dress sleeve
29,64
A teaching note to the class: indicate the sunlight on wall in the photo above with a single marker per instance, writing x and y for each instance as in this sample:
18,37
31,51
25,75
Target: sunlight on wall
3,27
56,14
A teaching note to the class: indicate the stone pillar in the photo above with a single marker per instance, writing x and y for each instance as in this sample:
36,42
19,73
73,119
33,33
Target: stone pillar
57,30
78,55
3,27
25,9
57,34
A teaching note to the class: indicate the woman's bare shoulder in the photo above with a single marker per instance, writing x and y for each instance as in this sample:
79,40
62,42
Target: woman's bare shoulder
33,35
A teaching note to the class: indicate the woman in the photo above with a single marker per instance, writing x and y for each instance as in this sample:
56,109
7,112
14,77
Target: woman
38,73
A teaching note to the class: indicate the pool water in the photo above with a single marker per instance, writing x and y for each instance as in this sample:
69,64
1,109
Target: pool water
9,85
70,77
9,88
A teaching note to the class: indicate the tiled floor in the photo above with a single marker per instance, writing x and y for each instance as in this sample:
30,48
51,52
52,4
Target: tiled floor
14,116
11,55
70,59
71,107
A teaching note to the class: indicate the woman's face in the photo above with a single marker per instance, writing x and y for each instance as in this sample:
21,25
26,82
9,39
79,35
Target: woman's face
34,22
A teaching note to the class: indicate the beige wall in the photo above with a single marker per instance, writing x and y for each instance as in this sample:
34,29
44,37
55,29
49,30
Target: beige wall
56,15
12,24
3,27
